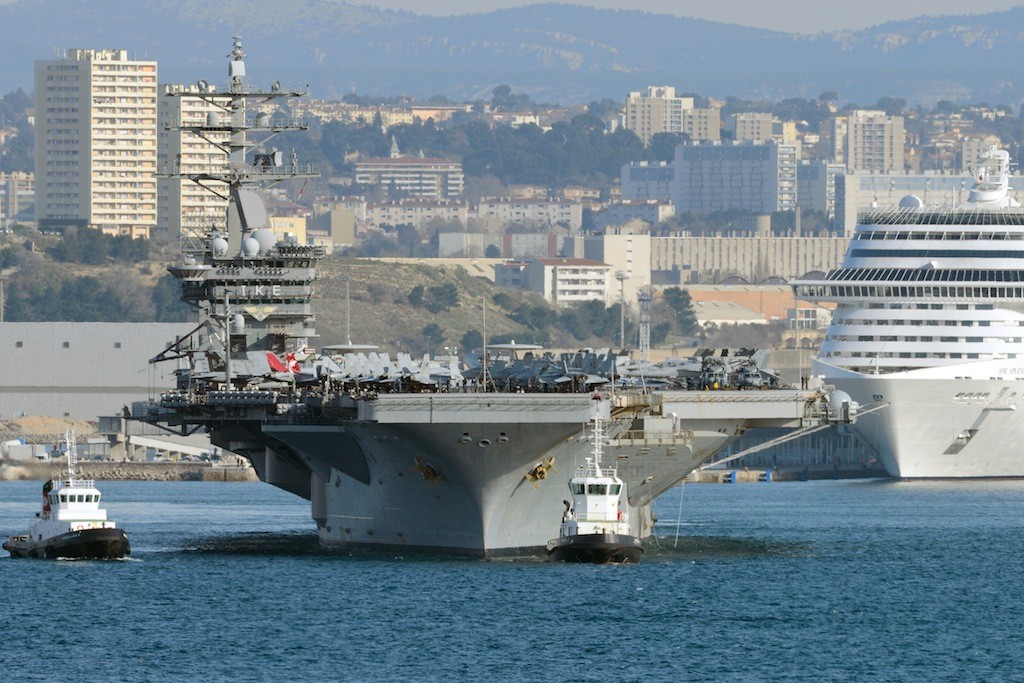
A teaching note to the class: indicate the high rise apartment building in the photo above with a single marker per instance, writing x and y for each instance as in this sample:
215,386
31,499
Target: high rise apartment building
867,140
184,204
660,111
96,148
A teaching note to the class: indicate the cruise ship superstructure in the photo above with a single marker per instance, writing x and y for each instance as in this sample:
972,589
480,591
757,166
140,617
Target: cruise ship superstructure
403,453
929,331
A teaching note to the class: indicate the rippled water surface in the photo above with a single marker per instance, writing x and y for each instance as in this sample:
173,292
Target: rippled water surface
855,581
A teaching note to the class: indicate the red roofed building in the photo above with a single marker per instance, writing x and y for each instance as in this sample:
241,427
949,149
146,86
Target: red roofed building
413,176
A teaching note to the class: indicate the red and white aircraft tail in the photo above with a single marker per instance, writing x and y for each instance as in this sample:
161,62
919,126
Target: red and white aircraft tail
289,364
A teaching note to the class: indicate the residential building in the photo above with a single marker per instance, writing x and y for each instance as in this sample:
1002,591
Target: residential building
17,198
510,274
761,178
416,212
411,176
868,140
627,253
816,186
96,142
564,281
658,110
293,225
497,213
339,220
183,203
651,211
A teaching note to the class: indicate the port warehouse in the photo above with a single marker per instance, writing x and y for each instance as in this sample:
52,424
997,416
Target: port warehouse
80,371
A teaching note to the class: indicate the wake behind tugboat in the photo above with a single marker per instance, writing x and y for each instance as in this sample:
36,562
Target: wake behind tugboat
71,525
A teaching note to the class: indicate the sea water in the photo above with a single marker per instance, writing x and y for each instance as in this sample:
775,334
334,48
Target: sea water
819,581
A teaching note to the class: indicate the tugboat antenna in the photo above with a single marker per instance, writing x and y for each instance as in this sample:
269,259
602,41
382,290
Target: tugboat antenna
68,436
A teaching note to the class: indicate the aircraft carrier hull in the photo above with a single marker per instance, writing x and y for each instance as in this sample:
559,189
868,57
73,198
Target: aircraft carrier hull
472,475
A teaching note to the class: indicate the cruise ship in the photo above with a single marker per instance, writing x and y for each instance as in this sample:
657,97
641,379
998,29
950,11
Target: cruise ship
928,331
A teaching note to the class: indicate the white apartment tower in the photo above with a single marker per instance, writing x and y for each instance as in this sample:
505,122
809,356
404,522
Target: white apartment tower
660,111
96,142
184,204
868,140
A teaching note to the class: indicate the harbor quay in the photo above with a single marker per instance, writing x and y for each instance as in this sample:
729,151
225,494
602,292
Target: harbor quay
130,471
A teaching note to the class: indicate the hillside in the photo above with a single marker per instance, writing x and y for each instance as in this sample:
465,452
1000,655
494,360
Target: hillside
39,288
381,313
553,52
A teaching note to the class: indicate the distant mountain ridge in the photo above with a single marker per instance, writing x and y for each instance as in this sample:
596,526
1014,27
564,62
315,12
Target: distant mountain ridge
556,53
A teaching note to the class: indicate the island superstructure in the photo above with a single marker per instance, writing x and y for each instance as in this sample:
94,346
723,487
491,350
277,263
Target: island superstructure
397,452
929,328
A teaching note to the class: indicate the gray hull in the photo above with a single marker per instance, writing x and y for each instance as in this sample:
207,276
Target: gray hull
461,474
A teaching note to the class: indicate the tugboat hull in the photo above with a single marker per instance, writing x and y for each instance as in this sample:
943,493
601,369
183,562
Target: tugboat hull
88,544
596,549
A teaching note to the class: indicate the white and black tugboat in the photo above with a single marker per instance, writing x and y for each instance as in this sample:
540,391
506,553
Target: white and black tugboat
71,525
595,525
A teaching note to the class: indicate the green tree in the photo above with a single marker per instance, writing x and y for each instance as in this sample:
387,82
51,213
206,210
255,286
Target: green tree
434,335
679,302
441,298
472,340
415,297
663,146
167,304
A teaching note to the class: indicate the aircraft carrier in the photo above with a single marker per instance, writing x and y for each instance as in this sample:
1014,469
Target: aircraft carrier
403,454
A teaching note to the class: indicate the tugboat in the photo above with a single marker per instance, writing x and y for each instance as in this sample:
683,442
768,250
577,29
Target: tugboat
72,524
595,525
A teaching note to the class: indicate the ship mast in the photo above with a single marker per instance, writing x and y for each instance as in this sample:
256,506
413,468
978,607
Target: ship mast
232,133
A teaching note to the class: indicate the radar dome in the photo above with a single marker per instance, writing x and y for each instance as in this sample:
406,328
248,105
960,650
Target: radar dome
237,323
265,238
250,247
219,246
190,261
911,201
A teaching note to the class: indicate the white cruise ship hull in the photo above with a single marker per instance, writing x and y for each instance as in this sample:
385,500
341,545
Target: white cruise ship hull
955,422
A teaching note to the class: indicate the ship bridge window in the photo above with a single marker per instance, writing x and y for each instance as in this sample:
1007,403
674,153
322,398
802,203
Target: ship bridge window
616,488
577,488
63,497
598,489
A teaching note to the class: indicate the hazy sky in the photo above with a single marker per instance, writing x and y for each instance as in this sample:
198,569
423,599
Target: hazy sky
804,16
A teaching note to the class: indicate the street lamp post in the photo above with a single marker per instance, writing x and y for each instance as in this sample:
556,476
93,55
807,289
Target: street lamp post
621,276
